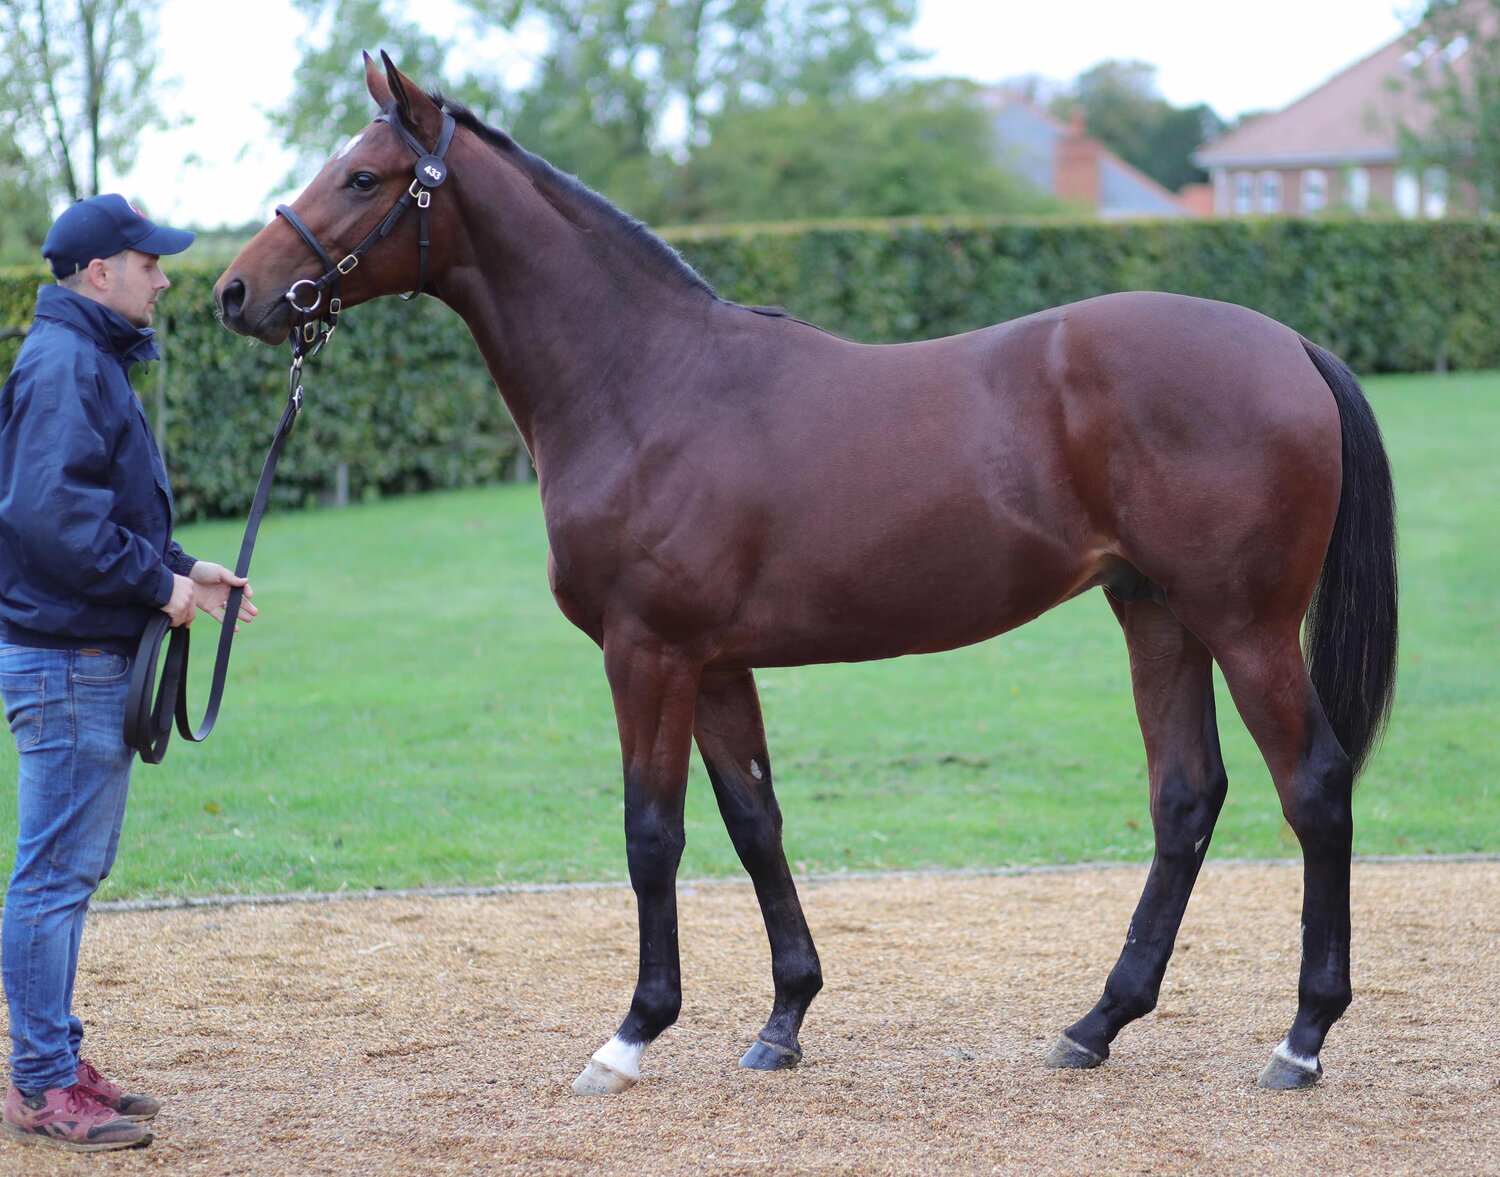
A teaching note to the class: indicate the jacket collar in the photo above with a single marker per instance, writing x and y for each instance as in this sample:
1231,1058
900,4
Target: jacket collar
109,329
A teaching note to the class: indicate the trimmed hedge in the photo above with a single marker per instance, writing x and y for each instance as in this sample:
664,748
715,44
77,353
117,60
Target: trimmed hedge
1387,296
402,402
399,401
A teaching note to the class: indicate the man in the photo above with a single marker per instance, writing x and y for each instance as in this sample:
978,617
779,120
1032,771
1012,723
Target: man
86,555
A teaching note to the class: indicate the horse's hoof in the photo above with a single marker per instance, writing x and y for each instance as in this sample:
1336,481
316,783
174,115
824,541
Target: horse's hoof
1289,1072
1067,1055
767,1056
602,1079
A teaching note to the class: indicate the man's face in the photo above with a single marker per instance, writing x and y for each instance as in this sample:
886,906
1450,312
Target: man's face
134,281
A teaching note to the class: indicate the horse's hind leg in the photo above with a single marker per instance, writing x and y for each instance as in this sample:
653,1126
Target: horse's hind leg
732,740
1314,779
1172,675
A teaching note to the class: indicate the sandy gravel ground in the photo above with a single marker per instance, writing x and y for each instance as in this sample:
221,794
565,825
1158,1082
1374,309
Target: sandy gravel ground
439,1036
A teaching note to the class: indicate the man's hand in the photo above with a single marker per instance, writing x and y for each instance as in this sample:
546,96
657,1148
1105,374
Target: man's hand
179,606
211,585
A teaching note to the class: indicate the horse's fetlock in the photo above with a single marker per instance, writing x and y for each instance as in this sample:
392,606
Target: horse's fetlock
654,1009
1130,996
1328,994
797,986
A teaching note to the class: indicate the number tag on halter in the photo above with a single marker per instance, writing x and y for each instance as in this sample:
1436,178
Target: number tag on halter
431,171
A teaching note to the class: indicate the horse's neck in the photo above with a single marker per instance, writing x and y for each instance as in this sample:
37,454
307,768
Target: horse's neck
572,327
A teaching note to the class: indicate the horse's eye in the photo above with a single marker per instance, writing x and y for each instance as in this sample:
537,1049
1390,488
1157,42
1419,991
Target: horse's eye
363,181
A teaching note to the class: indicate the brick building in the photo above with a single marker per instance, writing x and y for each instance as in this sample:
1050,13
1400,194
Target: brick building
1337,148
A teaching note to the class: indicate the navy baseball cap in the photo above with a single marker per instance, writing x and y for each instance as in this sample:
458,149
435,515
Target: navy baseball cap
102,226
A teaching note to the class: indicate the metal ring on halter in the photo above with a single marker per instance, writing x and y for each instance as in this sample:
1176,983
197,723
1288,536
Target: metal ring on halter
291,296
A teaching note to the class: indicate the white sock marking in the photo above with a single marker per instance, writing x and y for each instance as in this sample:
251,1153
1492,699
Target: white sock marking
1287,1054
622,1056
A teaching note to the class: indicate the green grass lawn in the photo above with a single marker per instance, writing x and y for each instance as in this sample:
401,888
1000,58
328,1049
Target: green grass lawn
412,709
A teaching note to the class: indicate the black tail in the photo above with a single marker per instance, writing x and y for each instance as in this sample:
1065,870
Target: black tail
1351,626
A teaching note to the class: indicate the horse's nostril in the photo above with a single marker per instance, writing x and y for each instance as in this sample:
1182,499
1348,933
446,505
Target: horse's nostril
232,299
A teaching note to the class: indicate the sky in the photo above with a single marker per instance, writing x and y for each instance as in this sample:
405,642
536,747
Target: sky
228,61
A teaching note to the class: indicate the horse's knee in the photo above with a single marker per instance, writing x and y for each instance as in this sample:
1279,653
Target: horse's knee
654,841
1184,810
753,821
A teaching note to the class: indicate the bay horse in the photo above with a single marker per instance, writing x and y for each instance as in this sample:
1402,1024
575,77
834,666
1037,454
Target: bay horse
728,487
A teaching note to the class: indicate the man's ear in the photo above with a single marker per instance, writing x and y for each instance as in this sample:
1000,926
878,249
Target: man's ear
418,112
98,274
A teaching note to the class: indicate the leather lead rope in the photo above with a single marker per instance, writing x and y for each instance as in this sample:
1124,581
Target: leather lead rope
148,727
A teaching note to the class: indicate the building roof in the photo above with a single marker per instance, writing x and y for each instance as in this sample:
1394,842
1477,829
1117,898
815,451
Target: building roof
1353,118
1031,143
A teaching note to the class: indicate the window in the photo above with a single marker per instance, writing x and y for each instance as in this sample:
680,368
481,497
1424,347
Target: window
1434,193
1244,193
1270,192
1314,190
1357,189
1408,193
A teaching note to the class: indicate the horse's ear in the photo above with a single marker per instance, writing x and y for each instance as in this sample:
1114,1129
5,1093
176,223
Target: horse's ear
376,84
419,112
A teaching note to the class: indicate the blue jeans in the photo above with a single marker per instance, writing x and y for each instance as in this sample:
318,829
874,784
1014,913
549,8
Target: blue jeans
66,709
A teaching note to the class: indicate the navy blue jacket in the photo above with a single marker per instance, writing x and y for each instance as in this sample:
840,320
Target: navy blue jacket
86,549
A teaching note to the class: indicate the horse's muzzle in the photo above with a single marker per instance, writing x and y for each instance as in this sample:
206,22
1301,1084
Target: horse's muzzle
271,325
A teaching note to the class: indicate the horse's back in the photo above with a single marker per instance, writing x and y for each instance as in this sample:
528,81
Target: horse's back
1190,439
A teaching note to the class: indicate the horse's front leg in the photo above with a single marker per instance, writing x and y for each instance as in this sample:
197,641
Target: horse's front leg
733,742
654,687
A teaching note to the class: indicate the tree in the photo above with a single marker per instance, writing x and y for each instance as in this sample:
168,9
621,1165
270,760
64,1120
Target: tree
329,101
24,211
623,83
1123,110
1452,81
79,89
921,148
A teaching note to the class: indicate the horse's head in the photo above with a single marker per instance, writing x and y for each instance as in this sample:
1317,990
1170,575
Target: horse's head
356,200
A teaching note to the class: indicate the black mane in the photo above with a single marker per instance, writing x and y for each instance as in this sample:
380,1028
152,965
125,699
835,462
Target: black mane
574,192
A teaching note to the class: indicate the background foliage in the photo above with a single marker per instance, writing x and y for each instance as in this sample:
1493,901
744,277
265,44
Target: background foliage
1122,109
917,149
1452,82
401,399
76,91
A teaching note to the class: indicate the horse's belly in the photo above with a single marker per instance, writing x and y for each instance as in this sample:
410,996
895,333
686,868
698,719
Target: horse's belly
934,600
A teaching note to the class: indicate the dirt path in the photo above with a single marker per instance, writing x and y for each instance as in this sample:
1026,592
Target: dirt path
439,1036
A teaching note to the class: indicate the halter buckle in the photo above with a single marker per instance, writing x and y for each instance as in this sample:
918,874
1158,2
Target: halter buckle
291,296
424,198
347,264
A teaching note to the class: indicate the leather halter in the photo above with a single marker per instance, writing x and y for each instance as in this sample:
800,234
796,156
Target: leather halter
312,329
